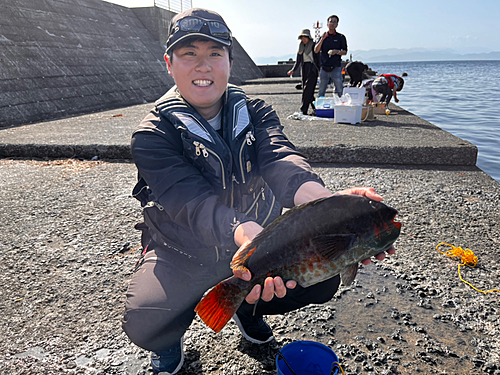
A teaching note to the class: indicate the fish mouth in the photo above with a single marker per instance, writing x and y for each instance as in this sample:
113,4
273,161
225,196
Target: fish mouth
202,82
397,224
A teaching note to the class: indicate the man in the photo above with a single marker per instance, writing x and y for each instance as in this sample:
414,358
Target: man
388,85
307,61
214,169
332,46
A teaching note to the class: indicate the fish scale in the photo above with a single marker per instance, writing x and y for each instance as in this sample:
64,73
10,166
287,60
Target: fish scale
310,243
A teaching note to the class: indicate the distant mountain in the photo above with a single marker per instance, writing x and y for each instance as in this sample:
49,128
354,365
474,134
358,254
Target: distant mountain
420,54
398,55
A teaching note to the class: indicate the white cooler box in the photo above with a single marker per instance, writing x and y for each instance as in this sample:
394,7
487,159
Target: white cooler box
351,114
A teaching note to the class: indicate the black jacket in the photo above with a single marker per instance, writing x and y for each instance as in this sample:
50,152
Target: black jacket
197,186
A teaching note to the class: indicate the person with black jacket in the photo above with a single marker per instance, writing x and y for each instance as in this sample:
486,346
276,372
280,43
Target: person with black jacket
309,64
214,169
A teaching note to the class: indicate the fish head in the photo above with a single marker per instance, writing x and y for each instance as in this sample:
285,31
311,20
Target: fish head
382,228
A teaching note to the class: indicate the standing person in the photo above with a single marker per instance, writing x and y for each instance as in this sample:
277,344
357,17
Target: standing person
214,169
306,59
388,85
332,46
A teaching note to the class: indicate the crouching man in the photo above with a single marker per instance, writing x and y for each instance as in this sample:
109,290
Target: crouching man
214,169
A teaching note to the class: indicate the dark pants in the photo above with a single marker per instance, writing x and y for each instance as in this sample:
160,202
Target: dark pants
309,80
386,92
166,287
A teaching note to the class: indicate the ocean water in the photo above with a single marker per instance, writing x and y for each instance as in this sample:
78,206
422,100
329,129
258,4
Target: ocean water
461,97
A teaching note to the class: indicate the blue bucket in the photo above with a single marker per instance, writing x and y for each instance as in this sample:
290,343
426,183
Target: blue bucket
307,358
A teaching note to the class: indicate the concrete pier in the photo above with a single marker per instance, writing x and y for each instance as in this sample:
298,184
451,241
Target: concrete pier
67,219
66,232
400,138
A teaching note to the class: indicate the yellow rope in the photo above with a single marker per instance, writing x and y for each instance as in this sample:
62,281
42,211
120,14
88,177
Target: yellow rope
340,367
468,259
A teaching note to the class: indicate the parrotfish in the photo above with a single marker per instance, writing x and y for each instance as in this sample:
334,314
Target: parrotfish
310,243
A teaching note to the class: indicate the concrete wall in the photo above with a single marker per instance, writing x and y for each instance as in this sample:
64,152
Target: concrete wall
243,66
156,20
278,70
67,57
63,57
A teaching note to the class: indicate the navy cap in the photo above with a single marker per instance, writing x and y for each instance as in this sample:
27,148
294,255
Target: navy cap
199,23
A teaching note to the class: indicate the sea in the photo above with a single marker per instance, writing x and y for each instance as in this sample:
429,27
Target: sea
461,97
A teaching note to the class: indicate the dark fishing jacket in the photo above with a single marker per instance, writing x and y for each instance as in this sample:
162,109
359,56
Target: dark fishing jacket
196,186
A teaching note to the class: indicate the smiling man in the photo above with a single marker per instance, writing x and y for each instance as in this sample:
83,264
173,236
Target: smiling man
201,70
214,169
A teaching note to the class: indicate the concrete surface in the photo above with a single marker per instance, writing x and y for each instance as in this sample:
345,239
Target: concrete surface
400,138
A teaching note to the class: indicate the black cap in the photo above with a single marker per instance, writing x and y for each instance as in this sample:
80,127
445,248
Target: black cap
176,34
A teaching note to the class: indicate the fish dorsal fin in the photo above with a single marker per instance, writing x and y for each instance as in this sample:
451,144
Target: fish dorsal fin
332,246
242,255
348,274
246,251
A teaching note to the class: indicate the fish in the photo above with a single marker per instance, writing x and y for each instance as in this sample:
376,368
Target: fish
309,243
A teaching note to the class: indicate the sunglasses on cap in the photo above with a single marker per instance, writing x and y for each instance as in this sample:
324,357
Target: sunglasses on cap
193,24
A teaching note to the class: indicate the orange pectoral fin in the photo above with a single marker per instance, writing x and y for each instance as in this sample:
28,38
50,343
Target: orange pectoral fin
221,303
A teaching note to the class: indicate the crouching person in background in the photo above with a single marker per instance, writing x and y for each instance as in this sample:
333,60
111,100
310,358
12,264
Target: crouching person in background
388,85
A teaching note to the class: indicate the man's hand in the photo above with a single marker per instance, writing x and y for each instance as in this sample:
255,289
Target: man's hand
272,286
369,193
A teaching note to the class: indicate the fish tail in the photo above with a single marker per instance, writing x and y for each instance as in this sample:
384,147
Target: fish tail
222,302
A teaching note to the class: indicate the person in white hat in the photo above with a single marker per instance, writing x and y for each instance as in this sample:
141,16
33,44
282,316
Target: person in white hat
309,64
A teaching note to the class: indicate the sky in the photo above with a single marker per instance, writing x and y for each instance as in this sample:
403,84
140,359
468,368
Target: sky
267,28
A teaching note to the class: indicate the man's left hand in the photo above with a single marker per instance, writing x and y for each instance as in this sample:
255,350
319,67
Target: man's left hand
369,193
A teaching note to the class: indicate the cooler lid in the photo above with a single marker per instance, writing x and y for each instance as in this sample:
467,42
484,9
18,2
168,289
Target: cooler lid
357,94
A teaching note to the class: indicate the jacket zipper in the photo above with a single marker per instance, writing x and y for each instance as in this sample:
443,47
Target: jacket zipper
232,189
256,199
270,210
201,149
249,139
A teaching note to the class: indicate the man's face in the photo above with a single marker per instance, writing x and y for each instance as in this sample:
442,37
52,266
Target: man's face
201,71
332,24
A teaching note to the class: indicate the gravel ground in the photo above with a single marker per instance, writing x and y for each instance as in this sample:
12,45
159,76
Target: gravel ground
66,230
